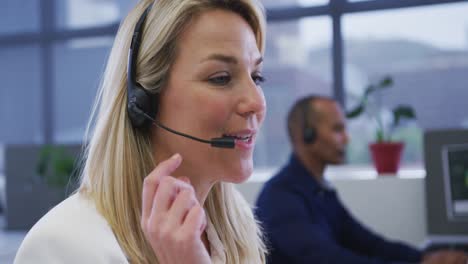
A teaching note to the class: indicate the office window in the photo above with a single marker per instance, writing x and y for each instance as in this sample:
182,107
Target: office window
297,63
289,3
425,50
75,14
20,95
79,65
19,16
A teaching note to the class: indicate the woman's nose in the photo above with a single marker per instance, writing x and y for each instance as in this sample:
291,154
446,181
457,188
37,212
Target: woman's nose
252,99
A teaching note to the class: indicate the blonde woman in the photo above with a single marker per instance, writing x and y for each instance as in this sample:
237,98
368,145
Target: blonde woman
147,194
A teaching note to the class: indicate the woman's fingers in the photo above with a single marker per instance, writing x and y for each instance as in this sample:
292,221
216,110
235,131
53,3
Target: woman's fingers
152,181
195,222
184,201
172,218
167,191
184,179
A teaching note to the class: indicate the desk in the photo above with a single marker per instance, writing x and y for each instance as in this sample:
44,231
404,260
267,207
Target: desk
392,206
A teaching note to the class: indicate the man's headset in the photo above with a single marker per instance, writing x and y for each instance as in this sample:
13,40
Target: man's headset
142,106
309,133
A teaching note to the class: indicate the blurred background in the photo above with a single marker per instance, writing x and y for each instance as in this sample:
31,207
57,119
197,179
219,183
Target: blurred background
53,53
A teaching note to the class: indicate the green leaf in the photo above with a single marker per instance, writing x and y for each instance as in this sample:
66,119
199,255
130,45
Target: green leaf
379,136
357,111
55,166
63,166
44,159
399,113
369,90
402,112
466,179
386,82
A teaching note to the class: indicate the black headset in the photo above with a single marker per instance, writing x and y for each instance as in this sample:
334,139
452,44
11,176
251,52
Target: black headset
142,106
309,133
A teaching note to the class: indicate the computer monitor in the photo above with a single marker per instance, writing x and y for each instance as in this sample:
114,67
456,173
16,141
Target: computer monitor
455,164
446,183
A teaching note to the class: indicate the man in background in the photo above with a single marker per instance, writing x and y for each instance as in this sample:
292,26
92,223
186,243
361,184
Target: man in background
303,217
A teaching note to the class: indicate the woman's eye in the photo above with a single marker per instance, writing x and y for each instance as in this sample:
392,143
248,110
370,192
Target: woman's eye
220,80
258,79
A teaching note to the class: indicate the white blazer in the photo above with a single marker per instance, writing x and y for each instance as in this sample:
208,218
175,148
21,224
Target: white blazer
74,232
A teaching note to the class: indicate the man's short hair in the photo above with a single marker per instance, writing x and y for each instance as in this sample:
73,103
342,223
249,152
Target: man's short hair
297,118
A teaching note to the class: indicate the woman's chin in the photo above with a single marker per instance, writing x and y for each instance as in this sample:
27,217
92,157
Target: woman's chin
241,175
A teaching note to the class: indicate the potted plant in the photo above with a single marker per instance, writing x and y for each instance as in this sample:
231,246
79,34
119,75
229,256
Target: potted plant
385,152
57,168
38,177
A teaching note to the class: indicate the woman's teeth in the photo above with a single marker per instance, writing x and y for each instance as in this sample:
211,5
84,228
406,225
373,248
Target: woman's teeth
243,138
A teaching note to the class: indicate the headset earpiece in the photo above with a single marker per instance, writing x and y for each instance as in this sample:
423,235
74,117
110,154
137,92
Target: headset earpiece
309,133
140,104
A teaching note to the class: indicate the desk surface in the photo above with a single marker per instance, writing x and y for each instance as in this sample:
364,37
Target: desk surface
391,206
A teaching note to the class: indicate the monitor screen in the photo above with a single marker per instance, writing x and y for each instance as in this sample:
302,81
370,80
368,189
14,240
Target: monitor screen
446,164
455,165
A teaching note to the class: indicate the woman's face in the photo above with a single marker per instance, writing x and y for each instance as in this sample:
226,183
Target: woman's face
213,90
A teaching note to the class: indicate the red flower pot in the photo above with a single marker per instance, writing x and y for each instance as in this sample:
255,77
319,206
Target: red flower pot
386,156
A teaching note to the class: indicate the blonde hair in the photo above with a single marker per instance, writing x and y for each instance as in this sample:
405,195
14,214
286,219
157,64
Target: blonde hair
118,157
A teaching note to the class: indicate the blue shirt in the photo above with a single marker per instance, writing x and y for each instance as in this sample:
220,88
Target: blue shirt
305,222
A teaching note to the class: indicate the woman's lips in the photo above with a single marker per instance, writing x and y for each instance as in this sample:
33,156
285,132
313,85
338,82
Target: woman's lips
244,139
245,144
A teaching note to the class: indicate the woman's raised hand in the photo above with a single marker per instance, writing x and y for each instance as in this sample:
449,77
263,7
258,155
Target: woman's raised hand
172,218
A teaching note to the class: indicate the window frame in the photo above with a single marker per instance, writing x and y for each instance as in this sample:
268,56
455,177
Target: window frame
49,34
